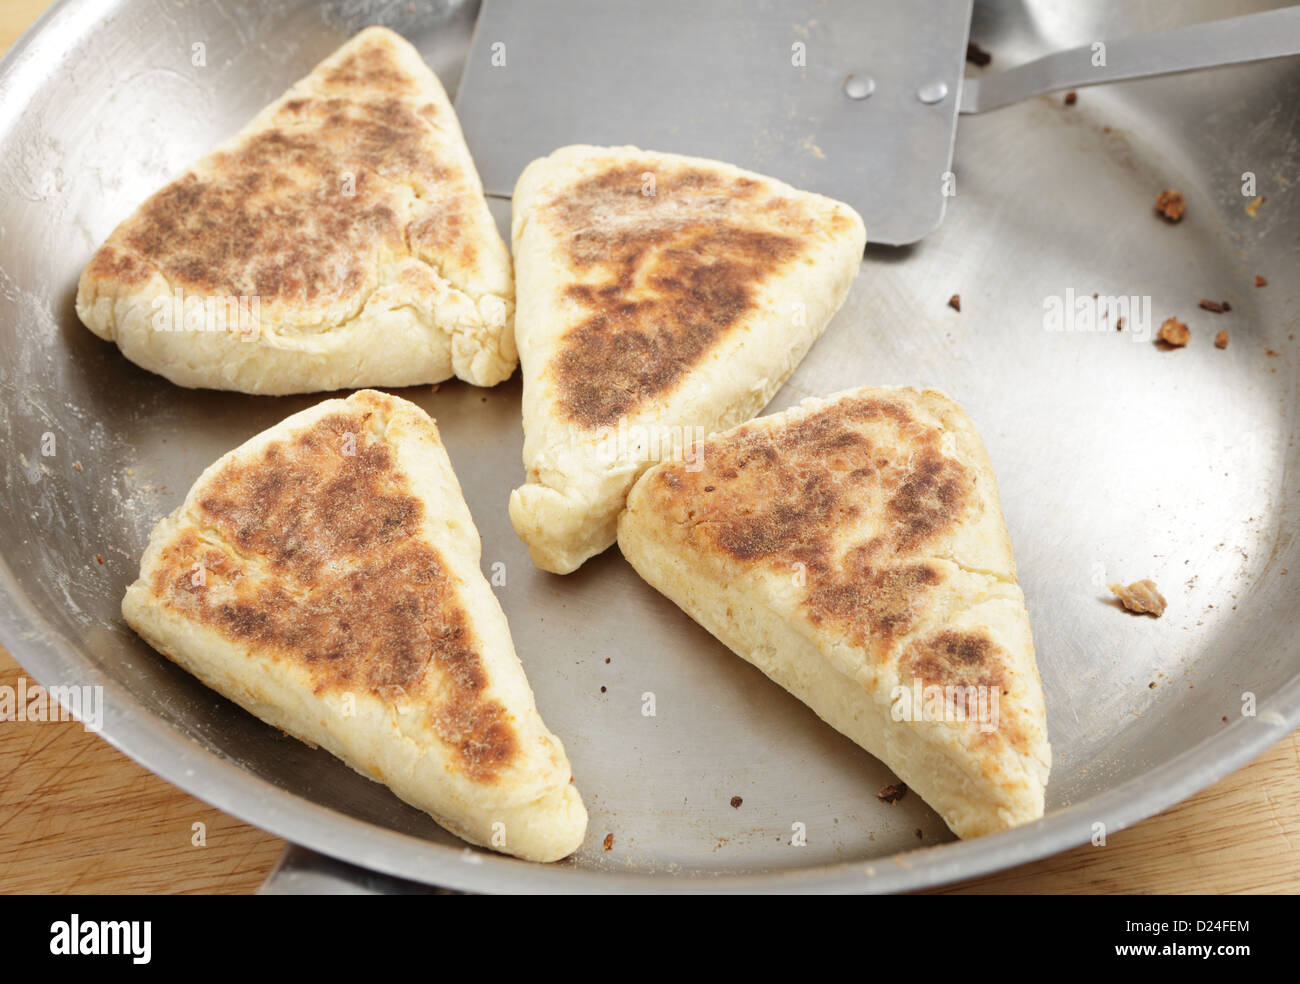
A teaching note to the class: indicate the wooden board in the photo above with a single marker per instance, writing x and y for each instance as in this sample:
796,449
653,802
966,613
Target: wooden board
78,816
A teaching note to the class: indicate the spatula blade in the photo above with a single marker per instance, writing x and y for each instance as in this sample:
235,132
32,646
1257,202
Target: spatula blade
757,83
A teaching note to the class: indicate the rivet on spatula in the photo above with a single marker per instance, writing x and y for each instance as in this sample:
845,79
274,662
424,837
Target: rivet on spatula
859,86
932,92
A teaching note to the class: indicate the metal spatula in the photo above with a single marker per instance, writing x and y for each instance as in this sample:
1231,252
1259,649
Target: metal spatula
856,100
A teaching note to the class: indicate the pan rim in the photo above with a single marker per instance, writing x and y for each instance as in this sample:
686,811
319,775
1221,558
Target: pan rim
50,657
179,759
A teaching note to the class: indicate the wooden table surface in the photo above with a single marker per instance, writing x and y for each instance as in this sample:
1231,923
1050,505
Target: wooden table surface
78,816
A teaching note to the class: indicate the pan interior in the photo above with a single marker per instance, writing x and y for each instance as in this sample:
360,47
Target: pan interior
1116,459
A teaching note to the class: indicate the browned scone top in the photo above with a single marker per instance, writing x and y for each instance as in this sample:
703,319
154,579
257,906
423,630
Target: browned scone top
302,208
853,549
664,258
311,550
871,507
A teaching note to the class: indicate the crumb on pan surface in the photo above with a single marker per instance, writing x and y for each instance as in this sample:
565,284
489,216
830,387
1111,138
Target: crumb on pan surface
1171,205
1140,597
1174,333
892,793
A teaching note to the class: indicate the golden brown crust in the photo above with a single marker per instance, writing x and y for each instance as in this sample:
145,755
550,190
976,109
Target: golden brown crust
301,210
331,496
310,552
784,496
971,660
853,550
369,68
666,270
955,659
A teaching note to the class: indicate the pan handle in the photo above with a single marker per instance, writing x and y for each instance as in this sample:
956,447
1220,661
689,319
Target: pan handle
303,872
1236,41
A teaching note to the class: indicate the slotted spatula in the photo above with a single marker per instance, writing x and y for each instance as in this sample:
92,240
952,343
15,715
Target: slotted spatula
856,100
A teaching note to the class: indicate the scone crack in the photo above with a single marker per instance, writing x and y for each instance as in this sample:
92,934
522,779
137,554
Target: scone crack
1001,577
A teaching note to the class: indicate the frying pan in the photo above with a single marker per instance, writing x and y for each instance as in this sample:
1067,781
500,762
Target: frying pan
1116,459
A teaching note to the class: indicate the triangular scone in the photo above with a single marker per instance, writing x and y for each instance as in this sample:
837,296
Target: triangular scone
854,550
325,576
661,298
341,239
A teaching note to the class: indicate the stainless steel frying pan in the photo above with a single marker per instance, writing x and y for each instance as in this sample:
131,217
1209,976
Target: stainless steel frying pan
1116,460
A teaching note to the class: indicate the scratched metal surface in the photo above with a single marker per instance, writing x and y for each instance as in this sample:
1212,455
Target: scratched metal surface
1115,459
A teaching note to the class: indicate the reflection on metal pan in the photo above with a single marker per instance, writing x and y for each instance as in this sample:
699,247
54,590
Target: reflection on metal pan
1116,460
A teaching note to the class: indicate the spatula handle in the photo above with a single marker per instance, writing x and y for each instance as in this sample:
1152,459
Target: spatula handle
304,872
1238,40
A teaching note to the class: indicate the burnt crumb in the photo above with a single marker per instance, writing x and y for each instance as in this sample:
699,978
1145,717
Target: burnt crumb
1260,281
954,302
1140,597
1217,307
602,690
920,834
1151,685
1171,205
892,793
1174,333
735,802
977,55
609,842
1119,324
1071,98
1221,339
